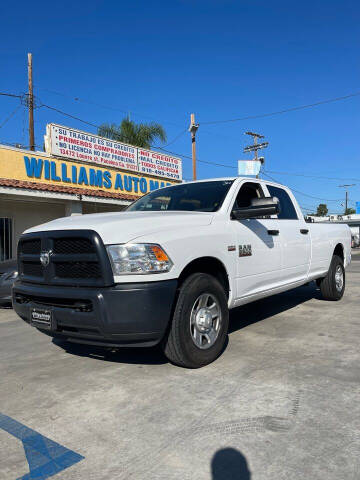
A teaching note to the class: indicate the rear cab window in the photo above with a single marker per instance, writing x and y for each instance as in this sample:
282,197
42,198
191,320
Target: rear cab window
287,209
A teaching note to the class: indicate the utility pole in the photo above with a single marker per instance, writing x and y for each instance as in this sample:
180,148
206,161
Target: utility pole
256,146
347,194
30,103
193,129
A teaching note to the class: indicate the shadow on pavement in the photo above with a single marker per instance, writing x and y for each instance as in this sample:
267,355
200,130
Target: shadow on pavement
145,356
245,315
229,464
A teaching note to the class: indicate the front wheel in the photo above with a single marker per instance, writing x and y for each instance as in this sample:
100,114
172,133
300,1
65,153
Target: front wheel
199,327
333,285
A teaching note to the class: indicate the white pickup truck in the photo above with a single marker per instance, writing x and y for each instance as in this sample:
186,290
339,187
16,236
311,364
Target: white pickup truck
168,269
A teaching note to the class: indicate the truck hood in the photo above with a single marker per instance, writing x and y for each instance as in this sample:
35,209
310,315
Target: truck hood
123,227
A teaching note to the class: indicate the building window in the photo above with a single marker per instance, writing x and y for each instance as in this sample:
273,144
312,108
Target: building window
5,239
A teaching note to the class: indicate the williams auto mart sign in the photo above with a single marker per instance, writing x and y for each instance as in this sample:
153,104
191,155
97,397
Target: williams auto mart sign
42,169
77,145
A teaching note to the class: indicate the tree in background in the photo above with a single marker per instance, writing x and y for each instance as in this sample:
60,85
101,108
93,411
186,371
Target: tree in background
350,211
140,135
322,210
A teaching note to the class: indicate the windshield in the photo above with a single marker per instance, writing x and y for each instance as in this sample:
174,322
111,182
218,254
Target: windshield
197,197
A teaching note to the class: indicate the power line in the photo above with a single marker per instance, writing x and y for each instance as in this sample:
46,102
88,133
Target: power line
302,193
175,138
286,110
10,116
307,208
92,124
69,115
78,99
116,109
160,148
313,176
56,110
76,118
316,198
263,172
201,161
5,94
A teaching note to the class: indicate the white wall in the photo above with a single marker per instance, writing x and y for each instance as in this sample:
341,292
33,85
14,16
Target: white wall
28,213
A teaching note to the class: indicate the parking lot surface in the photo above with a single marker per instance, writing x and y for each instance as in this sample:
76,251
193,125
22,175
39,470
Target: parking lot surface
282,402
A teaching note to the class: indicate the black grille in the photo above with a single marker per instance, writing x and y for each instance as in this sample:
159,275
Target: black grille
75,258
32,269
73,246
30,246
77,270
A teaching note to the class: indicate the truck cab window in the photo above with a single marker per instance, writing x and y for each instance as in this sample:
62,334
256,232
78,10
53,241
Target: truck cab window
247,192
287,211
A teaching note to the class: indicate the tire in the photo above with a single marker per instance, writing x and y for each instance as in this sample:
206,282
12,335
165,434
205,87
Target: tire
199,327
332,286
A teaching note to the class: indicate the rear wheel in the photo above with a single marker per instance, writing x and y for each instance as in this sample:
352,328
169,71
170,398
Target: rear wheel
199,326
333,285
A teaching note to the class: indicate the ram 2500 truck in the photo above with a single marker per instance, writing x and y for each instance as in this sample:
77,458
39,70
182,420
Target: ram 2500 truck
168,269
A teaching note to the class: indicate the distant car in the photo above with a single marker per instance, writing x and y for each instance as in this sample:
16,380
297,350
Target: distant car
8,274
355,241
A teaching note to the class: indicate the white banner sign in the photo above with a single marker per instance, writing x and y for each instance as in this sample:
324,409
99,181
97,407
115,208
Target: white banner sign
249,167
77,145
159,164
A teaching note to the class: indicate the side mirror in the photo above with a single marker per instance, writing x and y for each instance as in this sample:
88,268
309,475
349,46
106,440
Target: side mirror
259,207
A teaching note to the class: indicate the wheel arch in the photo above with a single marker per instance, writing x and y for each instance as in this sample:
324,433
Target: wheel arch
210,265
339,251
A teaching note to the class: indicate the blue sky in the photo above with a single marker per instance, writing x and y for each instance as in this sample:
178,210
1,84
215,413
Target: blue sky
221,59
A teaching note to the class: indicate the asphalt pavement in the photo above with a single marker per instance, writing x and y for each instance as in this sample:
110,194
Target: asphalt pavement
282,402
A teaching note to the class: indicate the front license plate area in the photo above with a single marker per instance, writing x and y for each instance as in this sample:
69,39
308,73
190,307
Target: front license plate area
41,318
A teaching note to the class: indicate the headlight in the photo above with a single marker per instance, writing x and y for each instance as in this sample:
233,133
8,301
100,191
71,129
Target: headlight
138,258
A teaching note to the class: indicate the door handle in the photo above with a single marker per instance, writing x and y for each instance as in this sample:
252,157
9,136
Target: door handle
273,232
304,231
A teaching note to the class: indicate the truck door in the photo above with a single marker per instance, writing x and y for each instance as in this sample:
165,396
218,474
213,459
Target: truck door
294,235
258,247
